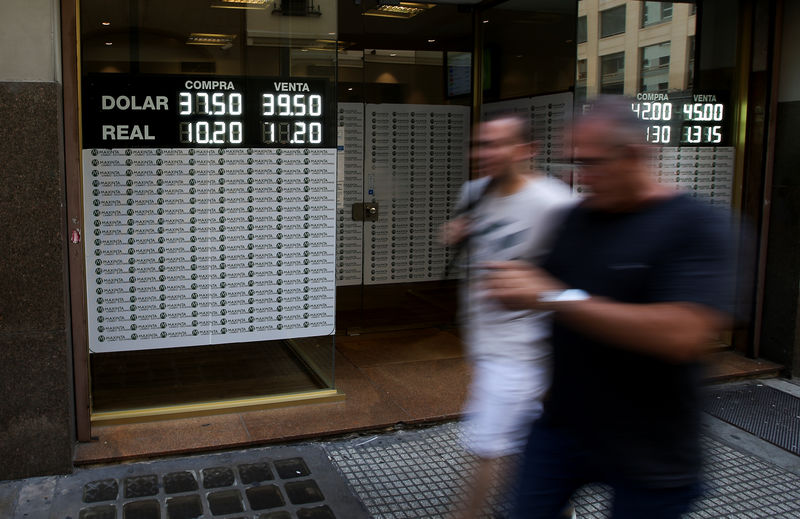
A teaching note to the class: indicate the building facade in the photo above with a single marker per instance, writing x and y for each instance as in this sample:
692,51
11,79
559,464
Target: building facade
199,198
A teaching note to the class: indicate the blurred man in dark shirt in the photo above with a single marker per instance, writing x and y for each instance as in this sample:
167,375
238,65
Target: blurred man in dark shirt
639,280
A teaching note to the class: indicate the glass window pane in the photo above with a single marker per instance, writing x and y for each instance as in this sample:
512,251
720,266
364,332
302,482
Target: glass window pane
612,21
656,12
198,98
582,29
513,34
612,73
654,75
690,64
581,77
662,68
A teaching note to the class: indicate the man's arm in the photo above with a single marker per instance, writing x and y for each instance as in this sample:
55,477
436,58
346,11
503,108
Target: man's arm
677,331
674,331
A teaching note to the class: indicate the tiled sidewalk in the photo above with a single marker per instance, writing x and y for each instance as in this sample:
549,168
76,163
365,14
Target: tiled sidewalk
269,483
416,472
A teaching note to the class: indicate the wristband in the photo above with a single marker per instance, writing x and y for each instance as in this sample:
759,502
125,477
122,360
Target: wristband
559,296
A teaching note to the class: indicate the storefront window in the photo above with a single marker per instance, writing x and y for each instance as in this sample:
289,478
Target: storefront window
687,115
209,183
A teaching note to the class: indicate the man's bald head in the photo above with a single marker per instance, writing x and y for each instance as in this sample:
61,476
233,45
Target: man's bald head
623,127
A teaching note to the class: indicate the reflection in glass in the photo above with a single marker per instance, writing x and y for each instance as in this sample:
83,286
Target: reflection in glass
515,35
690,65
660,51
612,73
612,21
656,12
655,68
582,35
580,80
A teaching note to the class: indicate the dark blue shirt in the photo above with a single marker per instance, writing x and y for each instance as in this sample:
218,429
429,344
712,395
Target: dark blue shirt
638,414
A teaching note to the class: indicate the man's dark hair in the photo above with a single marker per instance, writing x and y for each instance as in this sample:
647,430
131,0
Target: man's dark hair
521,124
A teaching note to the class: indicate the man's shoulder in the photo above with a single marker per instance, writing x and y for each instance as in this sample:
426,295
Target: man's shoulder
684,201
679,221
550,191
472,191
679,209
477,183
698,216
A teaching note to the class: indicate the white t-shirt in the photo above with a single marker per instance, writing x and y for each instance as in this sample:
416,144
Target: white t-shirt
515,227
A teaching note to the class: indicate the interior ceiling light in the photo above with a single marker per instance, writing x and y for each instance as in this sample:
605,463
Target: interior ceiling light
204,38
301,43
241,4
105,24
396,9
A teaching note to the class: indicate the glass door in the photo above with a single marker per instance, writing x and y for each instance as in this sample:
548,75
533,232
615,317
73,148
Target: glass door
404,123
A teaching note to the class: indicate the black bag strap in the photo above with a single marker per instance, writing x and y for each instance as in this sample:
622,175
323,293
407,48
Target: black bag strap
472,203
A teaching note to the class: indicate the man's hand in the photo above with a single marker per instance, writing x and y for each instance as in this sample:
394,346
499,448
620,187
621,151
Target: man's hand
454,231
517,284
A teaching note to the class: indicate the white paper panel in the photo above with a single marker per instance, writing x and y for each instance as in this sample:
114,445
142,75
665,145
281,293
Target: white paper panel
416,161
190,247
350,190
705,172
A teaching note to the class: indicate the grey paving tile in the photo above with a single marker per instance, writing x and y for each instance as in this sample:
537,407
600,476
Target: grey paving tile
408,473
398,474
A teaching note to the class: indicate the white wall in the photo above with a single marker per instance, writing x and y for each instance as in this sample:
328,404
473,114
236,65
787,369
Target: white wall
30,40
789,82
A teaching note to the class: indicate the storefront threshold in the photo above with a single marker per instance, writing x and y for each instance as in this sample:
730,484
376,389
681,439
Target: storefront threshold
212,408
390,379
